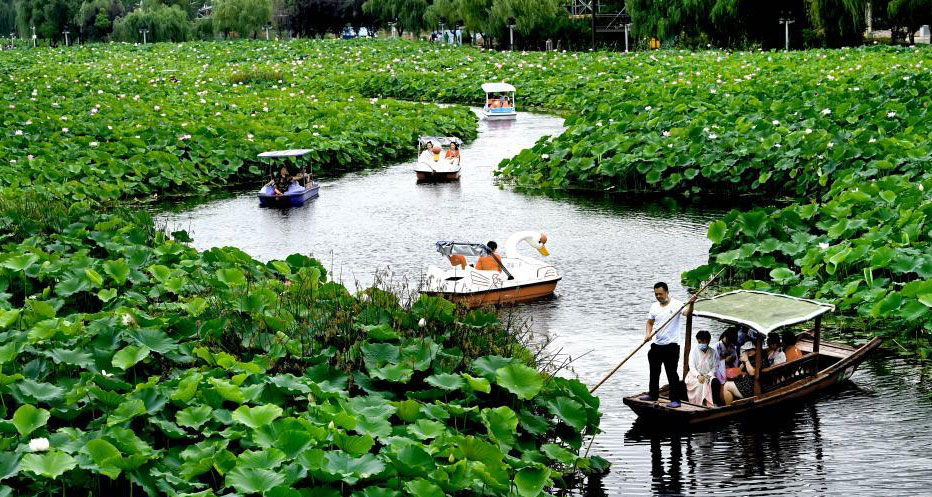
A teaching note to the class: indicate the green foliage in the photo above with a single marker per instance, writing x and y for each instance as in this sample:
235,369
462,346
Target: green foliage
245,17
179,384
165,23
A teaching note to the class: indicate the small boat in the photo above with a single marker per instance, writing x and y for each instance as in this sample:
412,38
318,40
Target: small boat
499,102
822,365
518,279
432,165
300,190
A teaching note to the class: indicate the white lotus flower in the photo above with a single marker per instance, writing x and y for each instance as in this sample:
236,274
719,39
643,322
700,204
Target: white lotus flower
823,246
826,111
922,188
545,156
157,108
808,131
648,107
18,132
64,130
599,124
891,114
93,144
712,136
775,122
184,137
39,444
128,319
872,140
831,144
666,133
422,323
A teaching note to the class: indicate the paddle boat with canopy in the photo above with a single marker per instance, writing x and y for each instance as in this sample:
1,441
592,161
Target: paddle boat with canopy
489,281
432,163
822,365
499,102
299,190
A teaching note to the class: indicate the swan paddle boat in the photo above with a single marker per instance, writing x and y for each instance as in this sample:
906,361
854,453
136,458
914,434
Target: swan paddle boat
499,102
432,164
292,192
513,278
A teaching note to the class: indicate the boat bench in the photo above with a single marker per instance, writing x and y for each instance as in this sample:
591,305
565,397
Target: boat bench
777,376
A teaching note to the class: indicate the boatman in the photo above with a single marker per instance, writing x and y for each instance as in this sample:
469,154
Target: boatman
665,348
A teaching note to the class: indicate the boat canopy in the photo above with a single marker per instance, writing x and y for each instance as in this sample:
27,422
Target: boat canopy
277,154
462,248
443,141
761,311
497,88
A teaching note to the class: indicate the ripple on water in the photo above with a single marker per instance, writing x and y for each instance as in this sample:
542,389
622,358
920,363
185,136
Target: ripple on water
868,438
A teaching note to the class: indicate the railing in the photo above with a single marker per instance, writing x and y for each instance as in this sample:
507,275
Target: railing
783,374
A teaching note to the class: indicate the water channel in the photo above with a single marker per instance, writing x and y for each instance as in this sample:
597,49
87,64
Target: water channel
869,437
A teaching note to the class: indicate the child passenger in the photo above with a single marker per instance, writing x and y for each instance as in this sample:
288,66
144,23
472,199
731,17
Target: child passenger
702,386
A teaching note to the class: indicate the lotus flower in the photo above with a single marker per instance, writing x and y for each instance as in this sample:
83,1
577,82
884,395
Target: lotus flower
18,132
808,131
823,246
775,122
826,112
891,114
39,444
422,323
93,144
64,130
712,136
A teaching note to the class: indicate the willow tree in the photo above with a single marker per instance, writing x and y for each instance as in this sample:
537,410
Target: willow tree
246,17
407,14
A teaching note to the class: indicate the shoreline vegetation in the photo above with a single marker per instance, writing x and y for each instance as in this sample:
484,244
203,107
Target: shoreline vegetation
133,364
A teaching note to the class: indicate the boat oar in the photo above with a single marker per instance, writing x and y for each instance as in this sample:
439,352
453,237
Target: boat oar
649,337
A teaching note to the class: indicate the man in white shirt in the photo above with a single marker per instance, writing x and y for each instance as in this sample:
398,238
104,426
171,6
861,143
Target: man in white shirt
665,348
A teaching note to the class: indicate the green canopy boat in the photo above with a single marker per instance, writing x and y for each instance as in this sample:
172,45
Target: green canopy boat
822,365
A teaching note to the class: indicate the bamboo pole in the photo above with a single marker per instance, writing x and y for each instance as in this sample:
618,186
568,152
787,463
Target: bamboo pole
691,301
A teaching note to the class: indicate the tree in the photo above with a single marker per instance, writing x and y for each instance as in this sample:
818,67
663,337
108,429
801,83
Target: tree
318,17
409,14
246,17
164,24
910,14
94,18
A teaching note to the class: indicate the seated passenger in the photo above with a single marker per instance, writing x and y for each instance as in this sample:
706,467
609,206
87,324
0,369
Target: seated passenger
496,103
743,386
458,260
505,102
727,351
701,381
488,262
790,350
453,152
281,182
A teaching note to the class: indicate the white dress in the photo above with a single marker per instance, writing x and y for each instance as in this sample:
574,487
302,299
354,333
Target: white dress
704,365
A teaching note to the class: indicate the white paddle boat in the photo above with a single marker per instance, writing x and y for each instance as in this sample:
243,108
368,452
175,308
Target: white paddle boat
432,163
491,280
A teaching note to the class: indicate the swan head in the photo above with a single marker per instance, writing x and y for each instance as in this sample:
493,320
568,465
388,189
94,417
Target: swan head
540,244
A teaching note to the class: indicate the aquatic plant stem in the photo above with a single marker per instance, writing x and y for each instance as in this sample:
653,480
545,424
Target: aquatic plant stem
647,339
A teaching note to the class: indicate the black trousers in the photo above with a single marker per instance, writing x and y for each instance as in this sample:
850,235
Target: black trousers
717,392
667,356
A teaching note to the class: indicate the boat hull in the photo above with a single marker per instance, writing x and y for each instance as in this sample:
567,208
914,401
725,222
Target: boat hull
295,197
438,176
499,116
690,415
500,296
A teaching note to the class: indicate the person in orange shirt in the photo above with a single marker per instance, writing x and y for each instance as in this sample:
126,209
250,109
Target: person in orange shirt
790,349
453,152
490,262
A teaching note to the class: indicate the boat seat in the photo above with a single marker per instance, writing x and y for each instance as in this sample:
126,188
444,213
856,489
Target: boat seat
788,372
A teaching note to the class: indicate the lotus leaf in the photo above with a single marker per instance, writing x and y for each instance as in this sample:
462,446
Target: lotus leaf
51,464
28,418
255,417
519,380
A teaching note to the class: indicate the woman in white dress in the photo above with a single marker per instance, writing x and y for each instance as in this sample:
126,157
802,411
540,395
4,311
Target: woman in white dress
703,366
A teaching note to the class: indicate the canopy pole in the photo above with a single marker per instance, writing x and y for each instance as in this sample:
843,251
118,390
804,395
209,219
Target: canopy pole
816,341
689,339
758,359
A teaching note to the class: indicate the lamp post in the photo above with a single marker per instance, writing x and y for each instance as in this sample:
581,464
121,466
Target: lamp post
511,33
66,32
267,28
392,24
143,32
786,21
627,27
459,32
33,37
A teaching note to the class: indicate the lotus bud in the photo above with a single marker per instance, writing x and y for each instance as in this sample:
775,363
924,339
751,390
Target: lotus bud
451,458
422,323
39,444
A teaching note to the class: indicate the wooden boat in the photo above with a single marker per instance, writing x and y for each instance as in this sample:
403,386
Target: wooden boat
822,365
299,191
520,278
432,165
